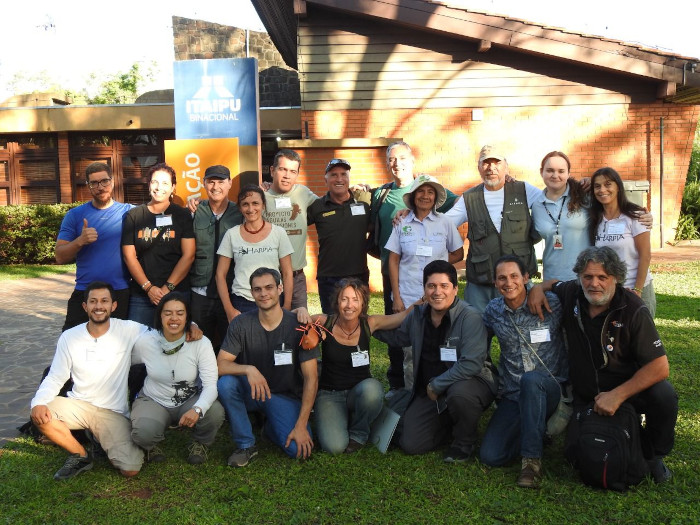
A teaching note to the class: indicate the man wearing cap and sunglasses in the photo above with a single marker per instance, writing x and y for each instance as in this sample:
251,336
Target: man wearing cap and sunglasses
341,223
213,218
91,236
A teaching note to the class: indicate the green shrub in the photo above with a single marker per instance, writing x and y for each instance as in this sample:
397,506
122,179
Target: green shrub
28,232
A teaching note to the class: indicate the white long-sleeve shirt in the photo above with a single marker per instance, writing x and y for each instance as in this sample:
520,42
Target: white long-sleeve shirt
173,379
99,366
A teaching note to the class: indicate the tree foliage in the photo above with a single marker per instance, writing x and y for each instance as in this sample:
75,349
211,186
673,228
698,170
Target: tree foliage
122,88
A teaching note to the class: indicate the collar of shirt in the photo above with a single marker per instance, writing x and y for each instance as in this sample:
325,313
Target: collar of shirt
544,199
412,216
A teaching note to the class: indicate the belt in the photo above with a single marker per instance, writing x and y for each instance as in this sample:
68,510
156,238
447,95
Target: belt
297,272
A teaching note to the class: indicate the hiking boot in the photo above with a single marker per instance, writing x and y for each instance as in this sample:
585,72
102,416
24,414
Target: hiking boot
242,456
353,446
659,471
74,465
155,455
456,455
198,453
531,473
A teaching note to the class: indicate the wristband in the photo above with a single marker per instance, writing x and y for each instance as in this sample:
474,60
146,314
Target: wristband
143,286
148,289
637,289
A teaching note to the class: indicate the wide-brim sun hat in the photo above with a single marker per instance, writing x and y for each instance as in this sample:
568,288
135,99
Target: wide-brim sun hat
441,194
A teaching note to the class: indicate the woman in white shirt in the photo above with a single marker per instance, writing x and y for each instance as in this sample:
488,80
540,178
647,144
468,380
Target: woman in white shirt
613,222
180,387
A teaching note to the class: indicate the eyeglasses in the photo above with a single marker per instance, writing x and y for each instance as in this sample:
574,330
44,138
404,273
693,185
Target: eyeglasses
92,184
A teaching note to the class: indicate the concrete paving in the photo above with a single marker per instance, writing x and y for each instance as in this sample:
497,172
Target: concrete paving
31,316
32,312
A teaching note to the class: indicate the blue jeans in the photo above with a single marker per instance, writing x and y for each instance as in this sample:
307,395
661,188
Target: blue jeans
518,427
141,310
242,304
280,411
361,405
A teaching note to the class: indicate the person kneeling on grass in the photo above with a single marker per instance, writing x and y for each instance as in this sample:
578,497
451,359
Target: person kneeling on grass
532,366
96,355
349,399
180,388
453,379
263,368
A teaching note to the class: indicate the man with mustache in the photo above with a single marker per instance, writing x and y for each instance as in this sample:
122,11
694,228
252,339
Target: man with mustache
91,235
615,352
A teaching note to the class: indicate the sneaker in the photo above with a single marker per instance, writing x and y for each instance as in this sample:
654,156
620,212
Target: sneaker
198,453
74,465
659,471
353,446
242,456
155,455
531,473
456,455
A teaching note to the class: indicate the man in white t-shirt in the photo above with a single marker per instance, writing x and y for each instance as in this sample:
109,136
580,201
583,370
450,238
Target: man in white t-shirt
285,205
97,356
499,224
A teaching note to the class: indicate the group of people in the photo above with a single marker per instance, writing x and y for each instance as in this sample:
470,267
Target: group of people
237,271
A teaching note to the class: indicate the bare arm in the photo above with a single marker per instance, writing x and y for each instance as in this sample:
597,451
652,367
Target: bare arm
65,251
287,281
537,301
456,256
642,243
300,433
226,364
221,287
607,403
136,270
388,322
183,264
397,302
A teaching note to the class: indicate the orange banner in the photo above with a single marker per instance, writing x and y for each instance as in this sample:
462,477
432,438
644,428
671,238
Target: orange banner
191,157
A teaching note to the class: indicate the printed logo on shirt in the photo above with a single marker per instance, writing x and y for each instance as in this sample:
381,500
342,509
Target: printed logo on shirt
406,230
617,324
151,234
657,343
253,250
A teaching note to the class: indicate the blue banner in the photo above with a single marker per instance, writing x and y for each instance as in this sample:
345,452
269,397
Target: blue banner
217,99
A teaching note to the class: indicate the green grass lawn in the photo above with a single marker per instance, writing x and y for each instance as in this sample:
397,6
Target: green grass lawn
11,272
369,487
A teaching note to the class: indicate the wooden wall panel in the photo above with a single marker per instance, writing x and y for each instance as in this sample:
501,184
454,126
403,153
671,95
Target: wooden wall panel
356,63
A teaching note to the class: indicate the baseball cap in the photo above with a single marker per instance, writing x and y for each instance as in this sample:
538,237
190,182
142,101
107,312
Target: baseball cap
337,162
217,172
491,152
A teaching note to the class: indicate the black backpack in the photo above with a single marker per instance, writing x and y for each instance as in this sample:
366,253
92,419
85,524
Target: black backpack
608,449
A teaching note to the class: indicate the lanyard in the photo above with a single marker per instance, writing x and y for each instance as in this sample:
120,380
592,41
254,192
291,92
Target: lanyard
563,203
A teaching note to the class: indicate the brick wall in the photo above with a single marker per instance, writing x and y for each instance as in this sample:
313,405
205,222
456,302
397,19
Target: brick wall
446,143
197,39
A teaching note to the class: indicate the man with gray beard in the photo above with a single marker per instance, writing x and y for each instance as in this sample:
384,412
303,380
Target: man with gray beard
615,352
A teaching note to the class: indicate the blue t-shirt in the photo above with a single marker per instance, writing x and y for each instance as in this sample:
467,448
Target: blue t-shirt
101,260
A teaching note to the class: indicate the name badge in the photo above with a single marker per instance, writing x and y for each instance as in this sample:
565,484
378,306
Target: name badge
558,242
423,249
540,336
360,358
283,203
283,356
617,228
357,209
164,220
448,354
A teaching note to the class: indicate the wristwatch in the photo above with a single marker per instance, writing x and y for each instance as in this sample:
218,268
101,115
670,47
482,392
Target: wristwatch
199,411
170,286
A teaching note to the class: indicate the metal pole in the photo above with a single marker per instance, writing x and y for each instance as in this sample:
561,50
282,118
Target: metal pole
661,181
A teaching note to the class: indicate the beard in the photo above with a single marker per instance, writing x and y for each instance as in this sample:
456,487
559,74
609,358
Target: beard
602,301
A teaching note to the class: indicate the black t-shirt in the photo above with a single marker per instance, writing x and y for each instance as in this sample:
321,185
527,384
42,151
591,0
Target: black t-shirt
157,240
253,345
337,372
342,236
431,364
